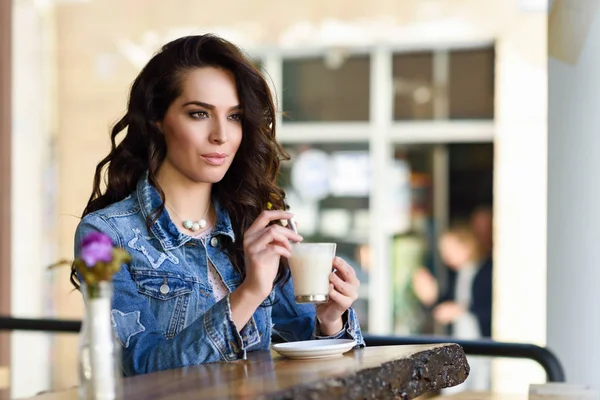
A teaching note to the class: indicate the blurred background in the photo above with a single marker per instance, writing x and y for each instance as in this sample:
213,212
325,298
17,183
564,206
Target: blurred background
401,117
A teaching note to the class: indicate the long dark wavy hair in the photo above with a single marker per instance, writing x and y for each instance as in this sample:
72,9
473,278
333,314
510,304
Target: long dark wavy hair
250,182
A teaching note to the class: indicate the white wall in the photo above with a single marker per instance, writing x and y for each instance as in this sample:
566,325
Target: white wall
32,204
573,325
520,195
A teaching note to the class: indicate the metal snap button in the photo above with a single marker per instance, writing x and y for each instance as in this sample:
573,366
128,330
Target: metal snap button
164,288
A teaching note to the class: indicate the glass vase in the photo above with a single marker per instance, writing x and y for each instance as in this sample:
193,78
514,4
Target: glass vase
100,375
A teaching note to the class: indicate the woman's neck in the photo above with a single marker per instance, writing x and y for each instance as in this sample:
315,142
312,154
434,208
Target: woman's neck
189,199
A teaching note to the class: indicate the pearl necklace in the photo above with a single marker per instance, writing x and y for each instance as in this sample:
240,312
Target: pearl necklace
188,224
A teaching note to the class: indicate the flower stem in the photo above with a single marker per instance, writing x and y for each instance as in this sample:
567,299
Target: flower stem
94,291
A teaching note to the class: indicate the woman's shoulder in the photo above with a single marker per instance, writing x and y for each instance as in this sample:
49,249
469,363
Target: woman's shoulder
128,206
113,219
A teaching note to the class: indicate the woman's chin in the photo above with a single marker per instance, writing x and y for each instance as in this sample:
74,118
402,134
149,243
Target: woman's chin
208,178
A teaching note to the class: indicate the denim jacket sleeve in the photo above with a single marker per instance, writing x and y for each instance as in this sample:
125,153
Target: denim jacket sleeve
295,322
211,337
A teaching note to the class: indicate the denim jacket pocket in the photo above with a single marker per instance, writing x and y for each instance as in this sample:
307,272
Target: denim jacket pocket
169,296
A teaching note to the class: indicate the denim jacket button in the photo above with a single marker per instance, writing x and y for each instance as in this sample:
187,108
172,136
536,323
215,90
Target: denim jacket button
214,241
164,288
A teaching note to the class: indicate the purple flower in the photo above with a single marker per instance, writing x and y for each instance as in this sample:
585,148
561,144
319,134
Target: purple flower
96,247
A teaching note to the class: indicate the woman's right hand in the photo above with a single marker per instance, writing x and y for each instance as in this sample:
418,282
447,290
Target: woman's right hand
425,287
264,245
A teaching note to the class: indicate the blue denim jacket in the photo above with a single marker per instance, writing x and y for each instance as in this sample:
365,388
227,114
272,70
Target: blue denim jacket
182,324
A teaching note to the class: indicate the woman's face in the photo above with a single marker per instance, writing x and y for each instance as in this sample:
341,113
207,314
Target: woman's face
455,253
202,127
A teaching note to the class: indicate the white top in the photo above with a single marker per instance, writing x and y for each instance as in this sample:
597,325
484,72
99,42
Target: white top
466,326
218,287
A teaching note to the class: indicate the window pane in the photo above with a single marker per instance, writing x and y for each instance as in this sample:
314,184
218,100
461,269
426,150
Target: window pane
413,86
471,85
327,187
469,175
317,90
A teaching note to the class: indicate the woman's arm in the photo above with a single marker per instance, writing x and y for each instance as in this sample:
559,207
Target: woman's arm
212,337
215,335
264,245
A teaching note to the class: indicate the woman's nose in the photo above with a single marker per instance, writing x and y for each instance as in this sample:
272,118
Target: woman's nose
218,133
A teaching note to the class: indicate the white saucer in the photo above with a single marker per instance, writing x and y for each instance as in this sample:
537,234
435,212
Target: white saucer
309,349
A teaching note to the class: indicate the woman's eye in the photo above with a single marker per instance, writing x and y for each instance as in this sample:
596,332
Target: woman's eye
199,114
236,117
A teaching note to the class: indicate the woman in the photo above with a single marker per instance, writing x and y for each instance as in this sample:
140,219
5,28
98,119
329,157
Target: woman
467,304
186,195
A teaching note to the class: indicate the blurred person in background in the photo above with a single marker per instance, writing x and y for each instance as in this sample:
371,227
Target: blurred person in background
186,192
466,306
482,220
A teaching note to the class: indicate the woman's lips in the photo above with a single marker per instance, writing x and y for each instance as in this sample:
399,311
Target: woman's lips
215,158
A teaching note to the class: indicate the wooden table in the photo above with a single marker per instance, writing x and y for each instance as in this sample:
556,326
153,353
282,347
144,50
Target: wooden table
386,372
486,396
499,396
502,396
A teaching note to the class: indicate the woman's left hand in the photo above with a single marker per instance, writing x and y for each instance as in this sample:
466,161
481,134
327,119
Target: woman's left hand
343,291
448,312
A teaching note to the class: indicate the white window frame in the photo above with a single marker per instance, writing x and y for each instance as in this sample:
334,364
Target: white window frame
383,134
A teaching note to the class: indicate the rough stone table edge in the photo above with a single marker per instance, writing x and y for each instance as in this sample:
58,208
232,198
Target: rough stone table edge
424,371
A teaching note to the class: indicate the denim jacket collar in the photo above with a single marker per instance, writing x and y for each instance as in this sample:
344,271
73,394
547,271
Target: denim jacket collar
164,229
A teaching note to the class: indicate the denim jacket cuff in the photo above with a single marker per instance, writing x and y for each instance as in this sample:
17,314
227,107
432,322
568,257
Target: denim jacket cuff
351,329
222,332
